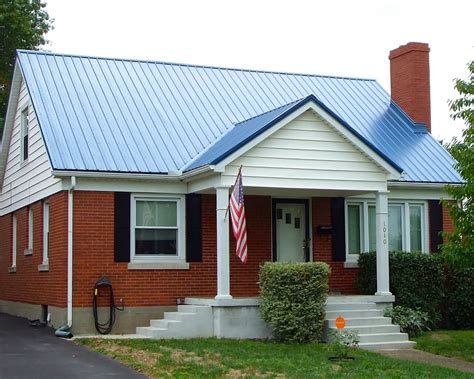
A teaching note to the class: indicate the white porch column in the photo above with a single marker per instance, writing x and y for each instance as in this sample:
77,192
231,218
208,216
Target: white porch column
222,230
381,222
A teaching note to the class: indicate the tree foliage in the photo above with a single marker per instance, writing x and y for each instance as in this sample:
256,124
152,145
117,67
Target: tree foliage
459,247
23,25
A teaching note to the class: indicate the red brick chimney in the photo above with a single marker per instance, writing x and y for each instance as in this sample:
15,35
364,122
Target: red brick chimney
410,80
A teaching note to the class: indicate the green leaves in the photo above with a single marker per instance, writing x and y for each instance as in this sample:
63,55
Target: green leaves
416,280
293,299
459,247
411,321
23,25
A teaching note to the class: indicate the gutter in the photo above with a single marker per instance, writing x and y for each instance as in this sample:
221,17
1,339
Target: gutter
69,249
171,176
420,184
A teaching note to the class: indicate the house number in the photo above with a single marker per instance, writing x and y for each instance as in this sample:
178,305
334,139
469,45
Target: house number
384,233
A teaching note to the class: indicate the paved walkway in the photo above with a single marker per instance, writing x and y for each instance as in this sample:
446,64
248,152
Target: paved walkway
433,359
28,352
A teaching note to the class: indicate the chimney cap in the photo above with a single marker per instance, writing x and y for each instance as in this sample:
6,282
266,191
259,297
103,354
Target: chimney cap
409,47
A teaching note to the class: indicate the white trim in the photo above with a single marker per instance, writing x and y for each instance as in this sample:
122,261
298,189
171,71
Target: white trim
405,210
178,265
181,229
14,238
46,224
24,132
420,185
30,229
392,173
9,119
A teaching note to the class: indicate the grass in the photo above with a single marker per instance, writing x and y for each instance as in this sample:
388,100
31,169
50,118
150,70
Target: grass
450,343
215,358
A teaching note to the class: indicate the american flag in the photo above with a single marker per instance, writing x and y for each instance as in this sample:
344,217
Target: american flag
239,225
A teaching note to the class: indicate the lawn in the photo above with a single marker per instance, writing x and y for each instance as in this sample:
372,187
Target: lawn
215,358
450,343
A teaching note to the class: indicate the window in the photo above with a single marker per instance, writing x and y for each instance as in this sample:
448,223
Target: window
24,134
30,230
407,227
45,232
157,228
14,236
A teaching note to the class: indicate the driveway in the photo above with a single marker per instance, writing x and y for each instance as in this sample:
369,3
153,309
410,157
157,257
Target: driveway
28,352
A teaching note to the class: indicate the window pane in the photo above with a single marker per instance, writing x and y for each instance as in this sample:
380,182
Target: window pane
395,228
155,242
354,228
156,213
415,227
372,235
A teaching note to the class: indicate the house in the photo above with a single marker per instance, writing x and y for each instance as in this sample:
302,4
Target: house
123,168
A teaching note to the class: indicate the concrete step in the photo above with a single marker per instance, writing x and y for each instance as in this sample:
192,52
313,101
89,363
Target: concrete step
387,345
361,321
371,329
163,323
383,337
193,308
149,331
354,314
349,306
180,316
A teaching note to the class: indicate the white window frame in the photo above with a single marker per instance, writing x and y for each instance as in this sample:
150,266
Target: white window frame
46,224
14,239
405,204
29,250
181,235
24,128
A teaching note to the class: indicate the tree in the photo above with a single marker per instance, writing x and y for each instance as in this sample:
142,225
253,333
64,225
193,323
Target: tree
23,25
460,243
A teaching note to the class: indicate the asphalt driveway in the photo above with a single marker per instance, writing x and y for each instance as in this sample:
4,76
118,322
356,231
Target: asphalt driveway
28,352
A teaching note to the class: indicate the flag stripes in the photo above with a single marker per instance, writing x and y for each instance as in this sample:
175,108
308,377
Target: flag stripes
239,224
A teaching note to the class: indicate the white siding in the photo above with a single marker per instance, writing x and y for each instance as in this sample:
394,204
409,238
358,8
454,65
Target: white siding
308,153
32,180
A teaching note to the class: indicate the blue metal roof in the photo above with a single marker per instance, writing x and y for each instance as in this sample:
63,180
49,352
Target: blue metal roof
114,115
245,131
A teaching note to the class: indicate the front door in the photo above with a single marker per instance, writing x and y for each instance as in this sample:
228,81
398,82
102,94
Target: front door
290,230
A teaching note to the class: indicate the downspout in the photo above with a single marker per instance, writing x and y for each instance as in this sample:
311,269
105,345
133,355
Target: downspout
69,249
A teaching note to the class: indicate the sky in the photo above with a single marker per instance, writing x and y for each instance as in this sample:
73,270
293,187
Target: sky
332,37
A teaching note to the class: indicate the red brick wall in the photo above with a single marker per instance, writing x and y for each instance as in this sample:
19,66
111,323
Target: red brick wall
340,279
410,80
27,284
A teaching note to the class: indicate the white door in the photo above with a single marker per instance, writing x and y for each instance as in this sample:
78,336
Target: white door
290,229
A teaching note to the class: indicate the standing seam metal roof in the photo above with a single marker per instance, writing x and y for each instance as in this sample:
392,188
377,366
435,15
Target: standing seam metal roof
114,115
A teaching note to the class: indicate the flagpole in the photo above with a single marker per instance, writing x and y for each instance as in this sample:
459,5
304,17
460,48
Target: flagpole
228,206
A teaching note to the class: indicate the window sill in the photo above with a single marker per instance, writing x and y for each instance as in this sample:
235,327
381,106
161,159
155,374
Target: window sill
351,265
43,267
12,269
28,252
158,265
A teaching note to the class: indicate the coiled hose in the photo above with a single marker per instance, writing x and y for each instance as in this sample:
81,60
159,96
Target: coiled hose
105,327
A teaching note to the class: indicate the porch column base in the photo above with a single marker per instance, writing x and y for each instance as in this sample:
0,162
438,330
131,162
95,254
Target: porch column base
223,297
383,293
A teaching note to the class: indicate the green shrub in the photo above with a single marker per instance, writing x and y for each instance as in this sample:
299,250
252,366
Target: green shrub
293,298
416,280
343,341
458,304
411,321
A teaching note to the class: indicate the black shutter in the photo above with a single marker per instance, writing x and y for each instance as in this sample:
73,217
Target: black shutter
122,227
436,225
338,230
193,228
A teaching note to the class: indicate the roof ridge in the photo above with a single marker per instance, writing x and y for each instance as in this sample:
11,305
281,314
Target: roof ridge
271,110
44,52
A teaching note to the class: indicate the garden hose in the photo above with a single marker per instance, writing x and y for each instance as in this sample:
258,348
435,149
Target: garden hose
105,327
